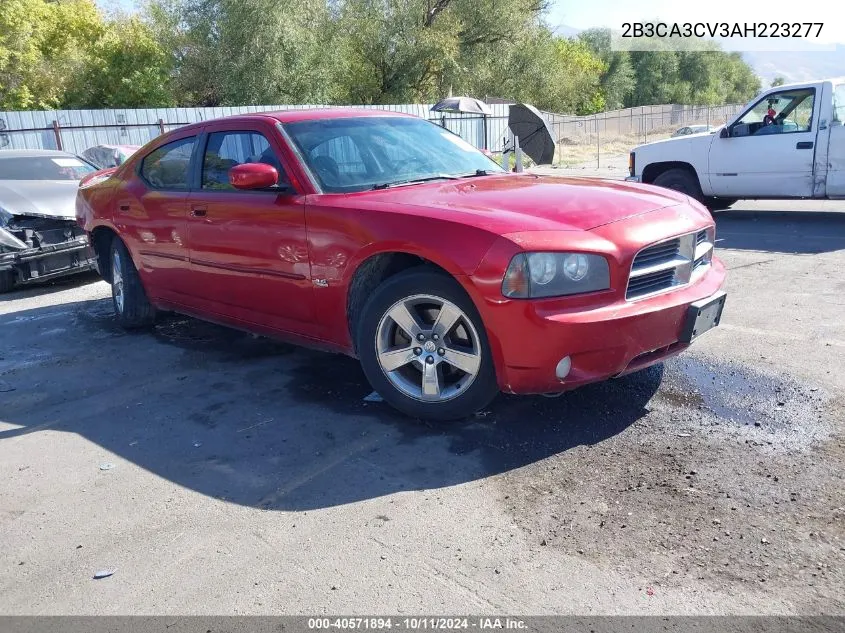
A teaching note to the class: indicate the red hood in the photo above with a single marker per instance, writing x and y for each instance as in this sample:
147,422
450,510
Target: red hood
524,202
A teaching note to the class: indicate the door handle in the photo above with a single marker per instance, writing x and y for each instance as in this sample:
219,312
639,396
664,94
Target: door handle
124,208
804,145
199,212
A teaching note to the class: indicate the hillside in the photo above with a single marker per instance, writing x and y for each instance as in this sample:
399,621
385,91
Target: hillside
797,65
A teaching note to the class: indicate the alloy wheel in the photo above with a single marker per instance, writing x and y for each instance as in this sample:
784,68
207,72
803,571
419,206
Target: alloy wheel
428,348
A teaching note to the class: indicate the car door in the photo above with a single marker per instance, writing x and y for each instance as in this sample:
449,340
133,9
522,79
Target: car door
150,215
768,160
248,249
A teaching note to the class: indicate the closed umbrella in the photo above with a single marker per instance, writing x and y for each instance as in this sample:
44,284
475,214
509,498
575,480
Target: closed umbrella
535,135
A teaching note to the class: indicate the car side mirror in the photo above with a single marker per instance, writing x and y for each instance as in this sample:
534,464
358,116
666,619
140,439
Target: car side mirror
253,176
724,133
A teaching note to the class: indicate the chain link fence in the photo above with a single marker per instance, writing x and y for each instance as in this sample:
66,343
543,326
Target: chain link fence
604,139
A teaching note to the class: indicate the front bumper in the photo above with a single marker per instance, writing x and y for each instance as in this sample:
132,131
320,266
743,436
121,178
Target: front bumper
529,339
49,261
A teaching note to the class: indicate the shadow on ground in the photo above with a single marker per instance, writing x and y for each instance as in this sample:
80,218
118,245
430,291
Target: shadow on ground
781,231
263,424
49,287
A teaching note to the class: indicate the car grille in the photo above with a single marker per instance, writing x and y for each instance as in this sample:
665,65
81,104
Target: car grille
669,263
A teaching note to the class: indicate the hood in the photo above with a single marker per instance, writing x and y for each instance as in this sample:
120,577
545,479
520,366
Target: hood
680,142
43,198
524,202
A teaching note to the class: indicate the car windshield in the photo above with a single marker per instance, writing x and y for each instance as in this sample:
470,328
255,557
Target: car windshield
43,168
360,153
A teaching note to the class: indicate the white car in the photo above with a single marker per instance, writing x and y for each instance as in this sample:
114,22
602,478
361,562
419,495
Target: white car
39,236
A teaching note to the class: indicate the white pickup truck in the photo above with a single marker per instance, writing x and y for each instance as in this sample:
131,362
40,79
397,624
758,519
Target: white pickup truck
788,142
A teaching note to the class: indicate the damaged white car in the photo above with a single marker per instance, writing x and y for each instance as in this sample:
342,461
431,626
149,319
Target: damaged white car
39,236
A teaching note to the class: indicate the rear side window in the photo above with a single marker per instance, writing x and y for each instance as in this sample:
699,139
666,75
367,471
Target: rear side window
168,167
227,149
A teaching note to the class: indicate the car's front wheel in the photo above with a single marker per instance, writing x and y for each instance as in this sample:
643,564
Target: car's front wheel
131,305
424,349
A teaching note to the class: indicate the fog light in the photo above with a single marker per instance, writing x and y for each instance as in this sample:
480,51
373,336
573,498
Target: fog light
563,367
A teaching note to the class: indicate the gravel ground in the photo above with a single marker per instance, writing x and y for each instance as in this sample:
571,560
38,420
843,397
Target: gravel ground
216,472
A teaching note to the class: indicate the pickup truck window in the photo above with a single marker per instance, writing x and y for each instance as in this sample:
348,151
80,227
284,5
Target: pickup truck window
779,113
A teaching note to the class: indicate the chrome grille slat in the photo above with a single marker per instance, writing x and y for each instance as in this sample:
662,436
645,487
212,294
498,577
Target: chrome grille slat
658,265
668,263
658,252
654,281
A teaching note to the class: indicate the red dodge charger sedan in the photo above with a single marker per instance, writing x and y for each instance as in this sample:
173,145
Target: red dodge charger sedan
388,238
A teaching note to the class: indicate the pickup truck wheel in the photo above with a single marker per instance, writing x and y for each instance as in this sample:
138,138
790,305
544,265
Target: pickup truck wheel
131,306
681,180
7,280
424,349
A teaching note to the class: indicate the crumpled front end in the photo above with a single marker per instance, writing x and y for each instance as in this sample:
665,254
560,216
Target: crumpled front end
41,248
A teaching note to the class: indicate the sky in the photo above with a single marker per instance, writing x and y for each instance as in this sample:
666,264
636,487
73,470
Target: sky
612,13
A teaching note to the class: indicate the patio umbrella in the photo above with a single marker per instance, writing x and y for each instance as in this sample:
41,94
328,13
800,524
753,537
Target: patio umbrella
536,137
462,104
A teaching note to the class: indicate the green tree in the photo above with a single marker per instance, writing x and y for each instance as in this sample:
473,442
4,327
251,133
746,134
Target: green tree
419,50
42,46
126,67
551,73
617,81
778,81
229,52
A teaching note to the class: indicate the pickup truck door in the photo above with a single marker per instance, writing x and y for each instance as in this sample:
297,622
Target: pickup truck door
768,161
835,157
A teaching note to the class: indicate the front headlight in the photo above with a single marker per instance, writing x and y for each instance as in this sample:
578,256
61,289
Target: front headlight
533,275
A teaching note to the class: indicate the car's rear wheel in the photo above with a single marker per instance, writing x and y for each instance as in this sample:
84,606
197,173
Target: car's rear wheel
682,180
424,349
131,305
7,280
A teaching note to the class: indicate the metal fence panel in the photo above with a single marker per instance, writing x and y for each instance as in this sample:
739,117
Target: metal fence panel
76,130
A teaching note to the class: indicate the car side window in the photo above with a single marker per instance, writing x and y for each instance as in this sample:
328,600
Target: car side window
228,149
167,167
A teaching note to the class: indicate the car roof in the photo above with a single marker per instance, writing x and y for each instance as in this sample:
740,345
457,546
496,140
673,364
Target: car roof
303,114
29,153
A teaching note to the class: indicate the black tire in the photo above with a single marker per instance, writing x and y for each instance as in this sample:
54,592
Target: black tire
476,394
682,180
719,204
7,280
134,310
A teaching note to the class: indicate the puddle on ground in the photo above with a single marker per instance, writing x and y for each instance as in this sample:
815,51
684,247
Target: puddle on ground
740,396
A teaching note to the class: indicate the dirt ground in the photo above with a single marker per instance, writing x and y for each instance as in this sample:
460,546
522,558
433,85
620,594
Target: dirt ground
216,472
